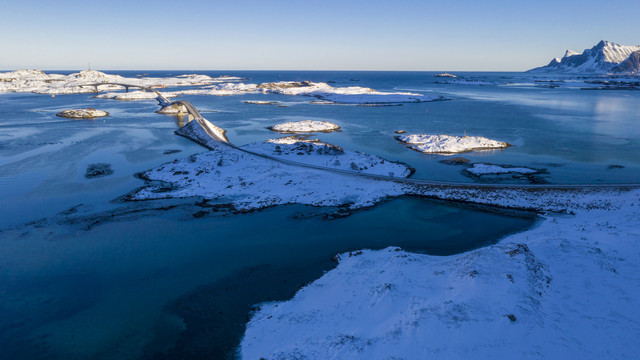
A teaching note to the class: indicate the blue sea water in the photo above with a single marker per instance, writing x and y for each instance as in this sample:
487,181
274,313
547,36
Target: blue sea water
83,275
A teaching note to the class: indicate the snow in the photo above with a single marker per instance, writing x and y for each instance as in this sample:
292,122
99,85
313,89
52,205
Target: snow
320,90
82,113
615,53
173,109
565,289
248,181
289,140
601,58
569,53
39,82
446,144
204,133
133,95
305,126
251,182
482,169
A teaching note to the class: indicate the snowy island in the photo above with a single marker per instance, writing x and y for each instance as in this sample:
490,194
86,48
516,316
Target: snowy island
85,81
483,169
39,82
447,144
444,75
304,126
319,90
88,113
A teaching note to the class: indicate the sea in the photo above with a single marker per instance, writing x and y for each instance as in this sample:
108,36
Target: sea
85,274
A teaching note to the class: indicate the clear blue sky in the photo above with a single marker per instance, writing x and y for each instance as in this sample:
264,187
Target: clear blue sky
307,35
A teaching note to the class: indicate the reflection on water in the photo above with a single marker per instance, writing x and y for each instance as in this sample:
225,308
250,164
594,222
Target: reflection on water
180,120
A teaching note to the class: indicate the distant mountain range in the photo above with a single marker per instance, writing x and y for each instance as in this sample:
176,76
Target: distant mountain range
605,57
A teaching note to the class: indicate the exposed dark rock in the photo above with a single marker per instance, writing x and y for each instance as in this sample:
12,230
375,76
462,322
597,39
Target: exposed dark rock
200,214
284,85
98,170
455,161
172,151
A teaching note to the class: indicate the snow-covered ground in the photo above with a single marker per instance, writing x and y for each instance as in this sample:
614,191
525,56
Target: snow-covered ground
568,288
173,109
251,182
305,126
87,113
482,169
40,82
320,90
447,144
133,95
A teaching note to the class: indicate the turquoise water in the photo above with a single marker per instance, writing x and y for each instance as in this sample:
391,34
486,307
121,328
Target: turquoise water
83,275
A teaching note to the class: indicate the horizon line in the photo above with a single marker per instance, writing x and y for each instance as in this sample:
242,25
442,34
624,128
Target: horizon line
270,70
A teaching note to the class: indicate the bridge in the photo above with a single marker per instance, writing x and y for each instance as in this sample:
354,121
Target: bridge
162,100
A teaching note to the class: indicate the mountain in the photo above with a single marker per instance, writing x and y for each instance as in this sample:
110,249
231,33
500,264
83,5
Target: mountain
605,57
630,66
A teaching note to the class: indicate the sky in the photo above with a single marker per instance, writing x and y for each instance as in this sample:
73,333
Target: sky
406,35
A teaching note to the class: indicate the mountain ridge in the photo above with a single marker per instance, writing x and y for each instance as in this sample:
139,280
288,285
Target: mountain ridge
604,57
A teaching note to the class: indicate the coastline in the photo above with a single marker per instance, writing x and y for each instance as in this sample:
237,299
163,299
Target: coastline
541,284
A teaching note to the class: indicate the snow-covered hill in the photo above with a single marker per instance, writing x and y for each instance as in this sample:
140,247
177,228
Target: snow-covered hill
605,57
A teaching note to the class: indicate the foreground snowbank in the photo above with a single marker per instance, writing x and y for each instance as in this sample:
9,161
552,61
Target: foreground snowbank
446,144
566,289
323,91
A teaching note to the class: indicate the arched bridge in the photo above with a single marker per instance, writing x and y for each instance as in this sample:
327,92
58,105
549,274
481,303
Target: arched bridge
162,100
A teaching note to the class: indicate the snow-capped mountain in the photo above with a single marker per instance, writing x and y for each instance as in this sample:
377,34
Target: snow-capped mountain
605,57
